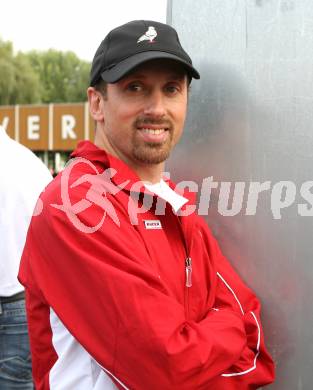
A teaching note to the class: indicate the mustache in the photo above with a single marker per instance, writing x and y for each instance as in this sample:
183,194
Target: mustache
141,121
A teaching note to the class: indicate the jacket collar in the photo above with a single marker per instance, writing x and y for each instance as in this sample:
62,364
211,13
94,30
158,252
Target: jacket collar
123,174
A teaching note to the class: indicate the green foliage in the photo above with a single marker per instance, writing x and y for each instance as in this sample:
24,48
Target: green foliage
27,83
63,76
18,81
41,77
7,81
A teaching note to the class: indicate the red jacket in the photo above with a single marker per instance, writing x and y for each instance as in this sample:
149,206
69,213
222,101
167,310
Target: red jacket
120,288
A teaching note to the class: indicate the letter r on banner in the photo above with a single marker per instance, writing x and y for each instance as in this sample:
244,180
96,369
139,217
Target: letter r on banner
68,124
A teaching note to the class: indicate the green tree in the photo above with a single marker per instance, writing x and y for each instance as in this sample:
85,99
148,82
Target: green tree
63,76
7,77
41,77
27,83
18,81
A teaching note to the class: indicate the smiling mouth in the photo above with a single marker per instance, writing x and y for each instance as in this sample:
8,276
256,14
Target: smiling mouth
153,131
155,134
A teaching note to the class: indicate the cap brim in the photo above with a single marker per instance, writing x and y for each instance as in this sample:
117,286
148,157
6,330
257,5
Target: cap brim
124,67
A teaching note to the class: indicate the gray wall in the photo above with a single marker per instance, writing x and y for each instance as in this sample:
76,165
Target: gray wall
250,120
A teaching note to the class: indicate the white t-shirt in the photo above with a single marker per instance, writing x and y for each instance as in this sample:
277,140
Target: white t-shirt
164,191
22,178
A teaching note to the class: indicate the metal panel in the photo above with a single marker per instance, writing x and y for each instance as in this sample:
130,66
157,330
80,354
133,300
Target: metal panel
250,121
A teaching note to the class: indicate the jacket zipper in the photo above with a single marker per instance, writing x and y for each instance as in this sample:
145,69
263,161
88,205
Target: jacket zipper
188,272
188,284
188,267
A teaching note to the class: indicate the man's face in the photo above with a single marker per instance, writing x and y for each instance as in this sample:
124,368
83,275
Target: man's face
144,113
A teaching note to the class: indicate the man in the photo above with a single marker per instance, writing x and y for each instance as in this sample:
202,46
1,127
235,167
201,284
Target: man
126,287
22,178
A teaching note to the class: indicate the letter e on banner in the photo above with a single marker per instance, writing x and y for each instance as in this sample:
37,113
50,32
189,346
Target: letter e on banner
33,127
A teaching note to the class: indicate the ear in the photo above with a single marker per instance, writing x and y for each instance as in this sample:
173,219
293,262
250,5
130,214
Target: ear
95,100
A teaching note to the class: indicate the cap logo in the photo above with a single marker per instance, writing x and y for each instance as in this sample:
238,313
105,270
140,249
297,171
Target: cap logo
149,35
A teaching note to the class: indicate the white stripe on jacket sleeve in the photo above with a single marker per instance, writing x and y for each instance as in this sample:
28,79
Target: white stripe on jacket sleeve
253,367
75,368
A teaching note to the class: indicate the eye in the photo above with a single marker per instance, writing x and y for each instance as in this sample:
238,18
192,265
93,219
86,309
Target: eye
134,87
172,89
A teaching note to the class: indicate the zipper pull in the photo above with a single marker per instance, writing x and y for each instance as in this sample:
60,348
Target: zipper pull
188,272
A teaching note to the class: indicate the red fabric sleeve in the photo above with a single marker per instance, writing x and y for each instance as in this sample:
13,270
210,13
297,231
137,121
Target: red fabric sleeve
255,367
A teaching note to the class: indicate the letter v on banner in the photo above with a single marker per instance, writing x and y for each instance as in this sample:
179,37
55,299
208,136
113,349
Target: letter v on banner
5,122
9,119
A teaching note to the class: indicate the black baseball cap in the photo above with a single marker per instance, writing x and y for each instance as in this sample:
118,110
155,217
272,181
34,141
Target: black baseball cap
134,43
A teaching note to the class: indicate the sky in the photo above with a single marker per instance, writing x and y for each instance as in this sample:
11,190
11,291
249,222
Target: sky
75,25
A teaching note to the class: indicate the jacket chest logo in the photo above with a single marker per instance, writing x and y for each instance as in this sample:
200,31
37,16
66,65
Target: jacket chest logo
153,224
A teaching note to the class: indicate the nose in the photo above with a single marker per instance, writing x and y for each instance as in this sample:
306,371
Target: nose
155,104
